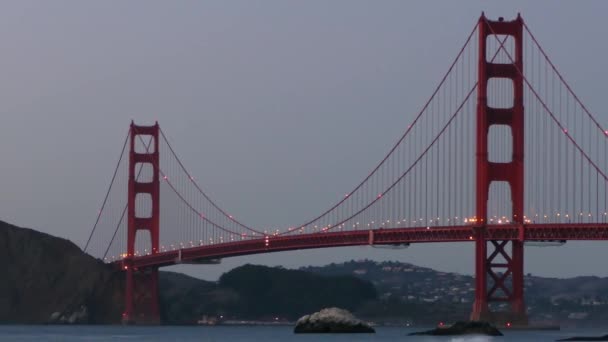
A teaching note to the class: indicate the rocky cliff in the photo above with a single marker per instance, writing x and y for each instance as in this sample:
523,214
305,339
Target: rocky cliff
44,276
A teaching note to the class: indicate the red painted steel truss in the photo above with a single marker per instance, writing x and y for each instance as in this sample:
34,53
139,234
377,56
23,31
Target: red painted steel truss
389,236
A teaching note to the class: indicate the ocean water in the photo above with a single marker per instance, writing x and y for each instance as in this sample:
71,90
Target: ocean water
248,333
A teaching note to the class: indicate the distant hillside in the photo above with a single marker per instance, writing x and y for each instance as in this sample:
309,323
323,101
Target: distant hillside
268,292
260,293
402,279
408,293
407,280
405,288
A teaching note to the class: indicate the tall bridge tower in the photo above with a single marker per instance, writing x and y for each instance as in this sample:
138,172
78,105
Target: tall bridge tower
141,294
499,274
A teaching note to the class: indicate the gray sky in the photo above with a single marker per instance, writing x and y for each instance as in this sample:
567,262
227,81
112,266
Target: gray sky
275,106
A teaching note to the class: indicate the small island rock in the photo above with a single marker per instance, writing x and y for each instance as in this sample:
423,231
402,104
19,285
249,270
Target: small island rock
463,328
331,320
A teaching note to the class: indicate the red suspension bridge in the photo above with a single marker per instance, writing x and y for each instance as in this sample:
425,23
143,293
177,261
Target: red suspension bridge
503,152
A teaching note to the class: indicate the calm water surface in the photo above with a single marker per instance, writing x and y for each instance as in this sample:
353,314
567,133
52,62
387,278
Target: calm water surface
240,333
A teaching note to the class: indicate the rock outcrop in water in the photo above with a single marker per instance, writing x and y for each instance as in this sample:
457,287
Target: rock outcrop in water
80,316
463,328
331,320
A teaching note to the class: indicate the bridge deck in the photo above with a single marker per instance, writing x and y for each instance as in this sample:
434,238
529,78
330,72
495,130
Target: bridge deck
382,236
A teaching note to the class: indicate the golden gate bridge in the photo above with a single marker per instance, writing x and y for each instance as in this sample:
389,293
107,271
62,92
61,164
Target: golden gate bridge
503,152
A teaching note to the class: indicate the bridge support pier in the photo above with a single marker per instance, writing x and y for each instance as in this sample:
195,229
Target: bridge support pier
141,285
505,282
499,274
141,297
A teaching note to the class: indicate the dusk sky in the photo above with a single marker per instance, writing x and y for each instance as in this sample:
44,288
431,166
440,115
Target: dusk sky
276,107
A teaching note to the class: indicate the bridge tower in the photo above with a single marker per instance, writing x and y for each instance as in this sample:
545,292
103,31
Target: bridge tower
141,288
499,275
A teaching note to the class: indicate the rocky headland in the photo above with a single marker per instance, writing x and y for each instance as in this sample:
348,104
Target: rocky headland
47,279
